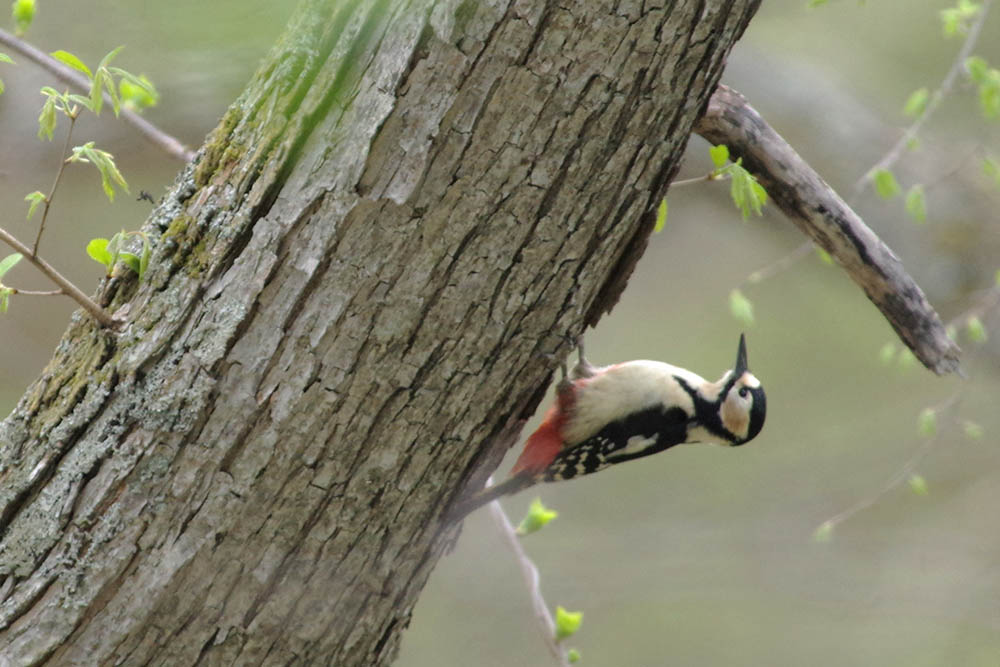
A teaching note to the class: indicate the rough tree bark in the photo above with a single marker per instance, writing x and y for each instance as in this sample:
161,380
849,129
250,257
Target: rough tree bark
352,287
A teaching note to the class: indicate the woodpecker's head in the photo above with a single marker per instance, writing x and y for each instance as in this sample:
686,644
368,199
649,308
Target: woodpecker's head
742,404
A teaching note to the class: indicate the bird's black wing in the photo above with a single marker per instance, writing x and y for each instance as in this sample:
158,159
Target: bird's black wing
640,434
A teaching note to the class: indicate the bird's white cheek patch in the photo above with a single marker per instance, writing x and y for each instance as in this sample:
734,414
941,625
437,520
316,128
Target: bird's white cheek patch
735,419
749,380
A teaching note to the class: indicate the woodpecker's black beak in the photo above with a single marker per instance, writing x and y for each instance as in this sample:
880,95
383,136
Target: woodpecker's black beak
741,358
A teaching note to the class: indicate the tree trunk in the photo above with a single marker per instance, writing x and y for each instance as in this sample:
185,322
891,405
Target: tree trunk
349,300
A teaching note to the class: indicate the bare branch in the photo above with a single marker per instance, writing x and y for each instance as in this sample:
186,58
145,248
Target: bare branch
171,145
531,580
823,216
69,288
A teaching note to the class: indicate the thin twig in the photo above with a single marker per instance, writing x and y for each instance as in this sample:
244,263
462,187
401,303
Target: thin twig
69,288
710,176
31,292
55,185
900,475
894,153
546,624
171,145
781,264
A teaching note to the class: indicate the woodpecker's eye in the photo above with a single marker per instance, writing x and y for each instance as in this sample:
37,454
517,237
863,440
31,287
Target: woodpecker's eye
744,392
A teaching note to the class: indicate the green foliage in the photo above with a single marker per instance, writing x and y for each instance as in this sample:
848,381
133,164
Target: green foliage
918,484
573,656
136,92
105,163
108,252
741,307
927,422
972,430
991,169
47,118
885,183
67,58
4,58
955,20
988,80
719,155
661,216
906,359
537,517
747,193
34,199
823,532
23,13
6,264
567,622
824,256
975,329
887,353
916,103
916,203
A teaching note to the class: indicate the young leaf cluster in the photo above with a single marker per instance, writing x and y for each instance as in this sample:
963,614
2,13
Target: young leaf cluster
955,20
105,163
987,79
747,194
109,252
4,58
6,264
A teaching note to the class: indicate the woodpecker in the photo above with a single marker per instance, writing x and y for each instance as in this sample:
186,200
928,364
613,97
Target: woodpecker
612,414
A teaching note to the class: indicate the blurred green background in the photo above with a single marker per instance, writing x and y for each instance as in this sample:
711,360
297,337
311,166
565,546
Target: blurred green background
700,556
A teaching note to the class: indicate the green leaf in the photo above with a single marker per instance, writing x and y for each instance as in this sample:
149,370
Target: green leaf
747,194
956,20
991,169
136,92
927,422
972,430
740,307
537,517
918,484
47,119
885,183
887,354
906,359
573,656
975,329
719,155
98,251
824,256
977,68
4,58
917,102
823,532
567,622
35,198
817,3
5,293
130,260
661,216
105,164
23,13
916,203
996,278
68,58
8,262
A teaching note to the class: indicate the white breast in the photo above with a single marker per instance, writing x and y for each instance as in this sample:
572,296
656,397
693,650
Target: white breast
616,391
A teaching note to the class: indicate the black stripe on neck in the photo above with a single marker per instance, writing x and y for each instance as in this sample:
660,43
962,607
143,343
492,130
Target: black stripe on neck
707,412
